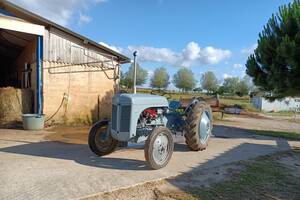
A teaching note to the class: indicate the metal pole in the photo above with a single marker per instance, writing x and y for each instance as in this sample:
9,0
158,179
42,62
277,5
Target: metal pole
134,71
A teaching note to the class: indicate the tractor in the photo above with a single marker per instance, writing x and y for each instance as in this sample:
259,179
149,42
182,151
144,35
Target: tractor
152,119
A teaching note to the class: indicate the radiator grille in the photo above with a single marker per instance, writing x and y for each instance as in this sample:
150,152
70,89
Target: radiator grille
114,117
125,118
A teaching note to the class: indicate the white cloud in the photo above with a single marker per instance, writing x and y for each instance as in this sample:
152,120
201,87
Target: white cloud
58,11
191,55
153,54
237,65
84,19
226,76
117,49
249,50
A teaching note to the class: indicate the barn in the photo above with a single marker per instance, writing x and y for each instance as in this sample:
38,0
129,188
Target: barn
49,69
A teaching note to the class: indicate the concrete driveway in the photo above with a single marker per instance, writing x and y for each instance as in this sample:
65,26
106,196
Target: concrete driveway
34,167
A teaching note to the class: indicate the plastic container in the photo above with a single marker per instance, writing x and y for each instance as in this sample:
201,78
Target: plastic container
33,121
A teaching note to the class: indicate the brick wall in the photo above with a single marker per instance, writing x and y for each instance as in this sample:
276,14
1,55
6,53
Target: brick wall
89,95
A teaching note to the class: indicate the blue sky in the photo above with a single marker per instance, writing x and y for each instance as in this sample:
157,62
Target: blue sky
199,34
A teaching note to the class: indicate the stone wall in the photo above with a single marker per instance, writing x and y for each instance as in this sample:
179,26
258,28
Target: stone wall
84,97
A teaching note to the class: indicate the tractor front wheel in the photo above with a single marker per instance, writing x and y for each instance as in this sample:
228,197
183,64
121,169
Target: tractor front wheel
159,147
100,140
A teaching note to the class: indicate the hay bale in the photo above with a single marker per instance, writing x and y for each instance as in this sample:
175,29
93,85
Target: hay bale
13,103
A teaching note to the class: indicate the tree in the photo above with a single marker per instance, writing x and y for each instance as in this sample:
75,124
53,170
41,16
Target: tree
275,64
160,78
184,79
123,81
231,85
221,90
127,78
242,88
209,82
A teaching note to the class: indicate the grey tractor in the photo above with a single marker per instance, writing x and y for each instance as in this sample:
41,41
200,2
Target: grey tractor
152,119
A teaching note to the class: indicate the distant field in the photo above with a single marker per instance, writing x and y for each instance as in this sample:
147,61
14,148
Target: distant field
243,102
173,95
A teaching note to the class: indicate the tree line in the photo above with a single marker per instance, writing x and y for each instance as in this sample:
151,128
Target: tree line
184,79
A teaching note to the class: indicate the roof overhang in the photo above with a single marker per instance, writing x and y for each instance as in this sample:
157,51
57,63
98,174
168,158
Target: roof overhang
15,24
34,18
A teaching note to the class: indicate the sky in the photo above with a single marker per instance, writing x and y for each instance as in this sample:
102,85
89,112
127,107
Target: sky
202,35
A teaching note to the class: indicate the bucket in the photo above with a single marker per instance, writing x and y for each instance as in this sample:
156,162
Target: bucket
33,121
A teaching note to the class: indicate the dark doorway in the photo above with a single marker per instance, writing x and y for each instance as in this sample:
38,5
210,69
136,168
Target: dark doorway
17,58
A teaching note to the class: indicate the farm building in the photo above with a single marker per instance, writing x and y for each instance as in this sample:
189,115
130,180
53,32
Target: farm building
286,104
46,68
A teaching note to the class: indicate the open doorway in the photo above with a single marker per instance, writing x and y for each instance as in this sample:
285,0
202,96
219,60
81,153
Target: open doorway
17,77
17,59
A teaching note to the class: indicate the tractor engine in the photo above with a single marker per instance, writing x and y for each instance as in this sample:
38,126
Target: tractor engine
151,116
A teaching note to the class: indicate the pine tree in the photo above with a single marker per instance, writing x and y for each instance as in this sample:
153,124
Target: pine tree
275,64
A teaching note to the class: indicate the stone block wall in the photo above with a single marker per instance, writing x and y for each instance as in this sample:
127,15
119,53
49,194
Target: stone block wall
84,97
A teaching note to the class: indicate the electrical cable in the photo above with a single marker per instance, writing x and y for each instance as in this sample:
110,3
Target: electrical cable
62,102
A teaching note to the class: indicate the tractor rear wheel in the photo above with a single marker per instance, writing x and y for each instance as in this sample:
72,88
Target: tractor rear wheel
100,140
199,126
159,147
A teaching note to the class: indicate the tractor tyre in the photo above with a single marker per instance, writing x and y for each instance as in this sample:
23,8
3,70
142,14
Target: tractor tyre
100,140
198,126
159,147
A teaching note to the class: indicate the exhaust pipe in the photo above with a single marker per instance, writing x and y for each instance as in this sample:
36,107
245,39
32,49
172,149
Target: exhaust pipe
134,71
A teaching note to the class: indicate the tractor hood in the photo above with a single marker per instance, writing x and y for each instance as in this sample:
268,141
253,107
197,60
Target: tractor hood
140,99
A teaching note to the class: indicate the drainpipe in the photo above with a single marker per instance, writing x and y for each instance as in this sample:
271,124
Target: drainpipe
134,71
39,83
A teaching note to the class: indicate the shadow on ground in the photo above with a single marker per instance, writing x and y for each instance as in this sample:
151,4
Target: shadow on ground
81,153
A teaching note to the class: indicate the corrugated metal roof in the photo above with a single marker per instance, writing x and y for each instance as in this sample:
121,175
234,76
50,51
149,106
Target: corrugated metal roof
23,13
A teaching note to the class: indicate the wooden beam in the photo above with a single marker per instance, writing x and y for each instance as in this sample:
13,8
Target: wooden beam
16,24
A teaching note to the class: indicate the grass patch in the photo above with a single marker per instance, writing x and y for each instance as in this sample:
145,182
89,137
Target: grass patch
263,178
280,134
